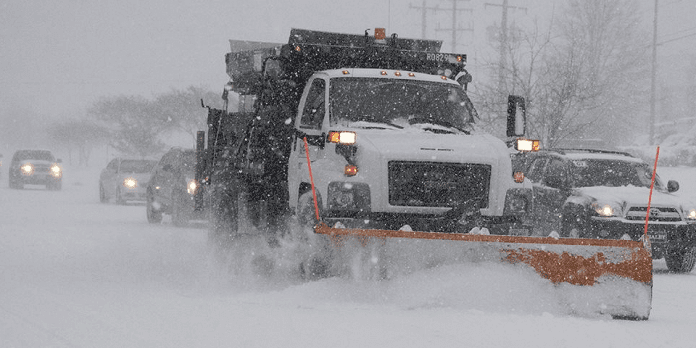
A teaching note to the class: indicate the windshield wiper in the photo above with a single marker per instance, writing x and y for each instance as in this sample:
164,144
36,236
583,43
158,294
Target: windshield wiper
380,123
421,120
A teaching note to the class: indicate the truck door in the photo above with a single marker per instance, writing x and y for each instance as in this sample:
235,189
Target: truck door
309,121
550,195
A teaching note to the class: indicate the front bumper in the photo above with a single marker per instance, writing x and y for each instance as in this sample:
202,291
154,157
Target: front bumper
663,236
138,194
37,179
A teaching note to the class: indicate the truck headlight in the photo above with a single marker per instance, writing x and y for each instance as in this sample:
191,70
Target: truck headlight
130,183
56,171
27,169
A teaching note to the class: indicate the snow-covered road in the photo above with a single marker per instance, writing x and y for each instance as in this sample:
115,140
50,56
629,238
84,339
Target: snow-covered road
77,273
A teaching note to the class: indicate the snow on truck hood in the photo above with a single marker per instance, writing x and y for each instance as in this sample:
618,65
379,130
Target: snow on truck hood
481,148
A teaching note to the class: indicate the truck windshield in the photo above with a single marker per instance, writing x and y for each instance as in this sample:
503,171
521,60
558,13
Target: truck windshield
399,103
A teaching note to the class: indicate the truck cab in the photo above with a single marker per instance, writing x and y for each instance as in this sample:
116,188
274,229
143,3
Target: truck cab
392,148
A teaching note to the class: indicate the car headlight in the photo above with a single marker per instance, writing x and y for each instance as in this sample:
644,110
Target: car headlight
56,171
606,209
130,183
27,169
192,186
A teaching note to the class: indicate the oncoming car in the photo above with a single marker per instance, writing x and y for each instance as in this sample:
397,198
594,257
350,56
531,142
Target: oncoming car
604,194
35,167
172,187
125,180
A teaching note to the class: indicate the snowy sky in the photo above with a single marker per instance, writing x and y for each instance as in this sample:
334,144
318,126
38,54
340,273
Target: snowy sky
58,57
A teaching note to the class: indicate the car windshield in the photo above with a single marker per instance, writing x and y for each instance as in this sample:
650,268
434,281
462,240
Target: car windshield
35,155
594,172
399,103
137,166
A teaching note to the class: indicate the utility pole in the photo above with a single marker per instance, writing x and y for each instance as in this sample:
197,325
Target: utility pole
455,28
424,10
504,41
652,79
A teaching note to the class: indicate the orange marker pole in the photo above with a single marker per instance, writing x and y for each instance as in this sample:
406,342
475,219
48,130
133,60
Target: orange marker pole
311,179
652,185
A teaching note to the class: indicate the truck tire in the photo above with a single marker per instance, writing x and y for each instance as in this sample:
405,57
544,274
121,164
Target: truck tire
318,264
306,213
681,260
223,214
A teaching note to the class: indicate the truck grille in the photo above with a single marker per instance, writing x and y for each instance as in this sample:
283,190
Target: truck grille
657,214
429,184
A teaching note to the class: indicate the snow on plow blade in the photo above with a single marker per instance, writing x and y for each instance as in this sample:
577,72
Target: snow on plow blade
610,277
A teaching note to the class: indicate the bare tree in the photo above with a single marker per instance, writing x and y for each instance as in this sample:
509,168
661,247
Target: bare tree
133,124
80,135
584,78
182,109
596,73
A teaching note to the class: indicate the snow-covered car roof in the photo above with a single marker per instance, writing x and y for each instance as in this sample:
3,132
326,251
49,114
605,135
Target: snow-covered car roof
596,154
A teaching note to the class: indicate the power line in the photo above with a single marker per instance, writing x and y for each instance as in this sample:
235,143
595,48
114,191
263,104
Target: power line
455,29
424,9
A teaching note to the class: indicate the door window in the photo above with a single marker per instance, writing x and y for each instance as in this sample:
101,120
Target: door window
313,111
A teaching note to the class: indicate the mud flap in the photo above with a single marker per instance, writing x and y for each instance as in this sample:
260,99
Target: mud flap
608,277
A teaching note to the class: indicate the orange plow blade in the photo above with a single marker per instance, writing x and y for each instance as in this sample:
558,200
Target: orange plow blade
611,277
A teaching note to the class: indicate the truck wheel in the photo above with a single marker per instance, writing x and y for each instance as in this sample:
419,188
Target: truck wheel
306,212
180,216
153,215
681,260
224,214
317,264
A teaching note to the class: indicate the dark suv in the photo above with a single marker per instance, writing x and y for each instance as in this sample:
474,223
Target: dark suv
172,187
604,194
35,167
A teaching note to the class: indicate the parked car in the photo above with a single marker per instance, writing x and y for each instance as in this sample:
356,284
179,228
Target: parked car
35,167
172,187
125,180
604,194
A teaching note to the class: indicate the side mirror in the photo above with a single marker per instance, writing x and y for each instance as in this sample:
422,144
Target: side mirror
672,186
516,116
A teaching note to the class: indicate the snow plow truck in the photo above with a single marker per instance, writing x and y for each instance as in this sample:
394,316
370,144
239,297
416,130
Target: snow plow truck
353,154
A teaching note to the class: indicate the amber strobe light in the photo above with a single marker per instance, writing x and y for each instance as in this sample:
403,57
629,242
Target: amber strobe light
345,138
350,170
